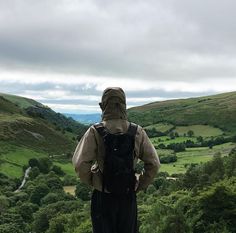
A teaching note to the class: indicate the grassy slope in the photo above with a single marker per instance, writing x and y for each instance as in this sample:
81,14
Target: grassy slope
22,102
216,110
23,136
200,130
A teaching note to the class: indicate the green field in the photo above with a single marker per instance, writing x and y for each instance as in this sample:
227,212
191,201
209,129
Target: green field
13,158
195,155
199,130
161,127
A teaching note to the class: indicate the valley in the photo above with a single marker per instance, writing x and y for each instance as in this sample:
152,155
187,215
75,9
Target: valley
30,130
193,192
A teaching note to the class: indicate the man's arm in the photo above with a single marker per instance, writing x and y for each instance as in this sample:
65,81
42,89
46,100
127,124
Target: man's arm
84,156
151,161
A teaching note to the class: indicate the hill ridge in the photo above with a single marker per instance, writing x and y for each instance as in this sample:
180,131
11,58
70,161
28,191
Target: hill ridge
217,110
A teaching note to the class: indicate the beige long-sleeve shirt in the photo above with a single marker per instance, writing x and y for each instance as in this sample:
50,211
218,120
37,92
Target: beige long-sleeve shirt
89,155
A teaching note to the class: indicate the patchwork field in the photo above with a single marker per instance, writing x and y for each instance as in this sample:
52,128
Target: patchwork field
195,155
167,140
15,158
199,130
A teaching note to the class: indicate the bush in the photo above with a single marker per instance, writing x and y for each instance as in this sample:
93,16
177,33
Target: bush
168,158
38,193
83,191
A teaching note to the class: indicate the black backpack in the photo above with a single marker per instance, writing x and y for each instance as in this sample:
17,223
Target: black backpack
118,175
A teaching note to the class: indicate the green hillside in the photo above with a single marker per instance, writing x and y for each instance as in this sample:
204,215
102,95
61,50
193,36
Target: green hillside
29,129
216,110
20,101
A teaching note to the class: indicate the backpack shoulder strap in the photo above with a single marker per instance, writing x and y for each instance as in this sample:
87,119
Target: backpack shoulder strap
132,129
101,129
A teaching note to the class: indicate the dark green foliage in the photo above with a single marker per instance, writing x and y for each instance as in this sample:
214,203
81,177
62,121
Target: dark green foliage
44,165
177,147
26,211
11,220
154,133
34,172
43,217
218,205
38,193
54,183
52,197
83,191
9,228
4,204
171,158
7,183
230,164
161,146
190,133
33,162
58,170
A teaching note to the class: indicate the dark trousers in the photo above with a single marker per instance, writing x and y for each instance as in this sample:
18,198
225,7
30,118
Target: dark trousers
113,214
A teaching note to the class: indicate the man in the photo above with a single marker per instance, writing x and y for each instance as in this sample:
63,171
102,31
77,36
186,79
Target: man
112,213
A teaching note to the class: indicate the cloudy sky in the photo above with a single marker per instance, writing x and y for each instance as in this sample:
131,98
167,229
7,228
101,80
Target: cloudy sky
63,53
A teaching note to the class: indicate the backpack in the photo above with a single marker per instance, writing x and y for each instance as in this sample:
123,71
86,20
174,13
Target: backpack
118,176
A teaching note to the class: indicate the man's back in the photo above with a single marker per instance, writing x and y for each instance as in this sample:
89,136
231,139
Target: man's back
112,213
90,152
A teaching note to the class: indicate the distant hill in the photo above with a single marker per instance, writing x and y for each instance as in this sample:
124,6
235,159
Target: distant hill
215,110
26,122
85,118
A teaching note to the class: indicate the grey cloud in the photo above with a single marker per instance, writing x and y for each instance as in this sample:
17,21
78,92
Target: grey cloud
79,94
171,40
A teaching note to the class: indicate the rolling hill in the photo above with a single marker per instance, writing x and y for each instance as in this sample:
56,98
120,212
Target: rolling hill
30,129
215,110
27,122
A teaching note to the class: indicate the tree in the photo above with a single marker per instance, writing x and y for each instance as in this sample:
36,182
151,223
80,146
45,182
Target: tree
52,198
4,204
54,183
57,224
172,135
33,162
190,133
83,191
34,172
38,193
58,170
26,211
200,139
218,204
9,228
45,165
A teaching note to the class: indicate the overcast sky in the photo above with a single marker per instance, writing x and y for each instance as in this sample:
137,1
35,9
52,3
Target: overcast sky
63,53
